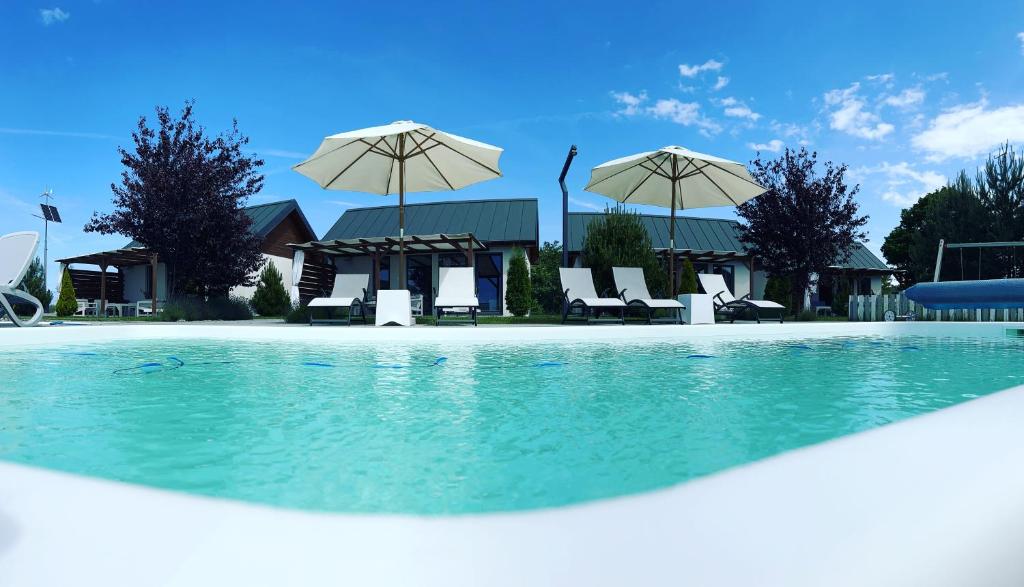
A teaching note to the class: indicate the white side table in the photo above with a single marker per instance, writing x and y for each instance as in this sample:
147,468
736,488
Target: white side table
700,308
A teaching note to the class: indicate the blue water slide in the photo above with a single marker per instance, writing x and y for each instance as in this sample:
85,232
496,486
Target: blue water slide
970,295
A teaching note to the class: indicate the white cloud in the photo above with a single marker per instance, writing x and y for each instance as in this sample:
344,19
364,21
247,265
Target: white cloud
721,83
53,16
56,133
630,102
283,154
906,98
692,70
587,205
344,203
905,185
970,130
684,113
737,109
847,114
1020,37
882,78
772,146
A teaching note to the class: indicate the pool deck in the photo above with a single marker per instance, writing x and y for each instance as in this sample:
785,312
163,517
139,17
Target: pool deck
933,500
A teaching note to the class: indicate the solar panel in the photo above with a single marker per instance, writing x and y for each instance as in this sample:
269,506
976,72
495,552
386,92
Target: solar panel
50,213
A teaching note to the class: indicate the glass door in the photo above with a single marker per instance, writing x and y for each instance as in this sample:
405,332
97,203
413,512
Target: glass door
419,279
488,282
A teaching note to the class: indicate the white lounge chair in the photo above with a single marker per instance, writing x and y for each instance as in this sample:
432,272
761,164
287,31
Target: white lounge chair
394,308
734,309
16,253
633,290
579,293
456,293
85,307
349,292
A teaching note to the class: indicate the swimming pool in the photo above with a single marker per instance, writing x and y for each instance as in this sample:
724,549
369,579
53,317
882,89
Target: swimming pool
438,427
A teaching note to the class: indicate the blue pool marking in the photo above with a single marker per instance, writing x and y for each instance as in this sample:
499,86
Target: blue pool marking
153,366
438,362
82,354
315,364
909,348
389,366
700,356
549,364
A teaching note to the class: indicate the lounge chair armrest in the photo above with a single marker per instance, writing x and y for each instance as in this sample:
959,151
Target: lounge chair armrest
745,297
720,300
565,294
604,294
622,294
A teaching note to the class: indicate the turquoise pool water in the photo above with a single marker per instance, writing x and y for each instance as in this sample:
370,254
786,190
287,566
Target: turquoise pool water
464,428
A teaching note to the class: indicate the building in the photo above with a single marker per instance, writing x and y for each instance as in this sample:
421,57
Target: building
483,233
713,246
277,224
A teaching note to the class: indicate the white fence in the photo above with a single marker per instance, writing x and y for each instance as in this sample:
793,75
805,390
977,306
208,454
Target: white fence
873,309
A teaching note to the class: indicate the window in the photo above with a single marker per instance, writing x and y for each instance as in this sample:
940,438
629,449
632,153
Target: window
864,287
452,260
488,282
385,273
419,279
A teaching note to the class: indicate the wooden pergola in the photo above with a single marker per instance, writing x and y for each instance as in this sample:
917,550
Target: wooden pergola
117,258
380,246
700,256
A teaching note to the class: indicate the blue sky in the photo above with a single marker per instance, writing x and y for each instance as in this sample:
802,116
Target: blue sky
906,94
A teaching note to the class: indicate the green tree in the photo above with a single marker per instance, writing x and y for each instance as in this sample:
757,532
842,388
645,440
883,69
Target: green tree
1000,187
805,222
66,303
182,195
953,212
778,289
687,278
518,294
33,283
841,296
619,239
270,297
547,294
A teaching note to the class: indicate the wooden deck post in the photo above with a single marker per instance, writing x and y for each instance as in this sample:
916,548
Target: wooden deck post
470,253
103,290
750,267
376,272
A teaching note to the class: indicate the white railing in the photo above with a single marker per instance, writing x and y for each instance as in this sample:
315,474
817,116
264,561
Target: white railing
873,309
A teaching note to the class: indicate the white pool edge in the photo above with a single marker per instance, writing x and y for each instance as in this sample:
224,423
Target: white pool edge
933,500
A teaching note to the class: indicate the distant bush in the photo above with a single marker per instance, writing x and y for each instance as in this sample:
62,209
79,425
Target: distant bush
687,278
547,294
297,315
779,290
807,316
191,309
270,298
33,284
66,303
518,294
841,297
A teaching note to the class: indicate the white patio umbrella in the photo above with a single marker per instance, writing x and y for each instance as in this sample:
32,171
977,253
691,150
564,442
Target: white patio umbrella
677,178
401,157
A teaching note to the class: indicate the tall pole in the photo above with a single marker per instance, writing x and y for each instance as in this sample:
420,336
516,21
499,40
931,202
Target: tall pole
565,205
401,211
47,195
672,233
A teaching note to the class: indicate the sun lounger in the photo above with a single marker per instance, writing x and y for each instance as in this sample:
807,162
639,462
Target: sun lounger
633,290
579,293
456,293
394,308
16,253
738,309
349,293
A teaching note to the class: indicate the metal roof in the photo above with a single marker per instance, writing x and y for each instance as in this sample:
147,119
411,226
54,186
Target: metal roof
507,220
703,234
265,217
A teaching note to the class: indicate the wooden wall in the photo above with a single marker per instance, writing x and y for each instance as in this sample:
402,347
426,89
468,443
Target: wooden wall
289,230
87,285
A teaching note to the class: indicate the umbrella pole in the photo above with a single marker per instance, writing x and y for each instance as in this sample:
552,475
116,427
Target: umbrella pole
401,211
672,236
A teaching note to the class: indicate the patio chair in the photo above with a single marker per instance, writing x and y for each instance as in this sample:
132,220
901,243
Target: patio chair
734,309
633,290
456,293
349,293
394,308
145,307
579,294
16,253
85,307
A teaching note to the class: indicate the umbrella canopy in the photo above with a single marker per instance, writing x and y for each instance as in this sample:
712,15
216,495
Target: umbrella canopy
677,178
398,158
